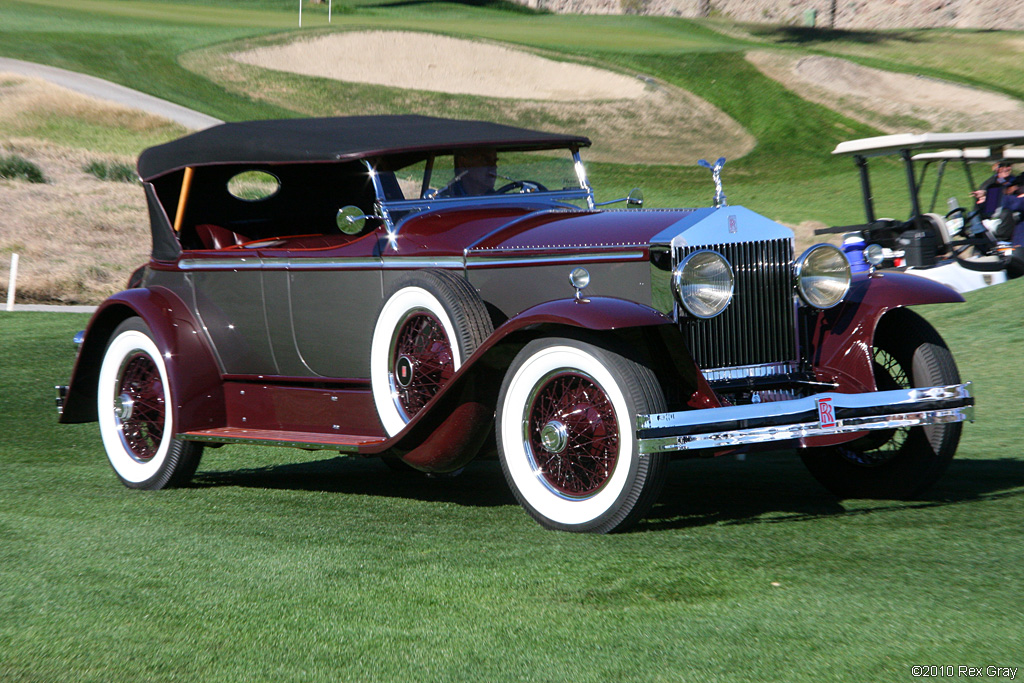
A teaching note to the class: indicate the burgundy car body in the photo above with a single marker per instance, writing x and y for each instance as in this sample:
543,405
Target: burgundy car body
268,339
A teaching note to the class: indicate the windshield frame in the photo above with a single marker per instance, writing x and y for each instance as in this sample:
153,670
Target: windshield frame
386,208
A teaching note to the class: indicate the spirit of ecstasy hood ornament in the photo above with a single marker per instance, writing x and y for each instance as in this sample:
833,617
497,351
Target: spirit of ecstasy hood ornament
716,175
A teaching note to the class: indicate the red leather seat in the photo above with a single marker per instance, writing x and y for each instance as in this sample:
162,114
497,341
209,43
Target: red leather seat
216,237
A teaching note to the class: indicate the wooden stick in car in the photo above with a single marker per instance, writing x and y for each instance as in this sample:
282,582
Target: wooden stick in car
186,183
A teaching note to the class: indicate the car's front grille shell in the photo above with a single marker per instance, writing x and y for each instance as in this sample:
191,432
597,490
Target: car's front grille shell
759,325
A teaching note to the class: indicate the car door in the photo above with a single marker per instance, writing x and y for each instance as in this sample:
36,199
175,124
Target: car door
227,287
322,300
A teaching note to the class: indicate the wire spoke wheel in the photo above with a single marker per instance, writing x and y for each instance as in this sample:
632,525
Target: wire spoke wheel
573,434
422,361
566,436
426,329
139,407
881,446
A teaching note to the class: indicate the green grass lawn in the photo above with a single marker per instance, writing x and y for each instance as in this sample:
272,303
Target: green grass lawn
280,565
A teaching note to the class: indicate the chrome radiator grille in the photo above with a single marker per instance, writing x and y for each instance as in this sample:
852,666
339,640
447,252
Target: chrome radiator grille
759,325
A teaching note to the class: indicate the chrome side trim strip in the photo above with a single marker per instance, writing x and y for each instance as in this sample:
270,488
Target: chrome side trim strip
321,263
402,262
423,262
246,263
818,415
572,256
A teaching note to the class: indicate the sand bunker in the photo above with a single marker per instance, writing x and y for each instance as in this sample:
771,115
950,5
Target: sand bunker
422,61
631,120
892,102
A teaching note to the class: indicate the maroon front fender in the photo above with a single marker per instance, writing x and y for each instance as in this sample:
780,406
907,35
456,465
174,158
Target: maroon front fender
193,375
842,337
447,433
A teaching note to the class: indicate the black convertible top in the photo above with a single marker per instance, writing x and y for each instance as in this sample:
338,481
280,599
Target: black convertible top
338,138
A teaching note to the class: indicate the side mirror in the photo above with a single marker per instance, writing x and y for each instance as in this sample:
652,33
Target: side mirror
635,199
351,220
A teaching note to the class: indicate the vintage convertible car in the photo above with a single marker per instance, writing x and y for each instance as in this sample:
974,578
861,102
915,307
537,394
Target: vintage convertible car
956,247
361,285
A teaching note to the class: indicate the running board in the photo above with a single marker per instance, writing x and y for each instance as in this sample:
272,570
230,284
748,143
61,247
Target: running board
344,443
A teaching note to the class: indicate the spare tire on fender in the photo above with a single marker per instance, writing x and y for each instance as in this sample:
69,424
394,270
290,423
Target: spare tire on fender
429,324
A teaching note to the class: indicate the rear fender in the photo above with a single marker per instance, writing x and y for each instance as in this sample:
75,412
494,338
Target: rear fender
193,374
841,338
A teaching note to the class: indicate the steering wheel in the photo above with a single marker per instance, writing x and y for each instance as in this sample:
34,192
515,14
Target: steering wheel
522,186
958,210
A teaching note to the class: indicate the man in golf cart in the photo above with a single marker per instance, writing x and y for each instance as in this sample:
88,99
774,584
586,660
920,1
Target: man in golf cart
1008,216
989,195
961,247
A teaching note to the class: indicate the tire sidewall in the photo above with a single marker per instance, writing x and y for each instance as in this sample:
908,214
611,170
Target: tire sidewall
129,338
395,311
534,363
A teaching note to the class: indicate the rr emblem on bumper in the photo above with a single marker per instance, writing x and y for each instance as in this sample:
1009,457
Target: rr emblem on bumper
826,415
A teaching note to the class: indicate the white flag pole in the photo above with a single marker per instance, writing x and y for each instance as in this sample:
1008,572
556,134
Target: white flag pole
12,282
300,13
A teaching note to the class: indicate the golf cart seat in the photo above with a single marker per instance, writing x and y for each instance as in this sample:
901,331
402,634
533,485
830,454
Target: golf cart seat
937,225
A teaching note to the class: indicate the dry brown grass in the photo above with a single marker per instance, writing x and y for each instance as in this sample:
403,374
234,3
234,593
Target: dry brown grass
78,238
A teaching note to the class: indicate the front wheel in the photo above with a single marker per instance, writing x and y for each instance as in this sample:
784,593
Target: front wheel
134,407
566,430
900,463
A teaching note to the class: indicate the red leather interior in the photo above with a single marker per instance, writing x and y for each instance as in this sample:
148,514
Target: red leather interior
216,237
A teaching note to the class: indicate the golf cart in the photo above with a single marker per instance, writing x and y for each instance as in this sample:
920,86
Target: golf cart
953,245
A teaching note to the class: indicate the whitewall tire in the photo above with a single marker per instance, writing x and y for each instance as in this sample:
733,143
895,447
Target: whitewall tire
566,435
135,413
426,329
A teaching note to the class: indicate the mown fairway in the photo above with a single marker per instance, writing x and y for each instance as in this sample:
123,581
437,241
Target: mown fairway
282,565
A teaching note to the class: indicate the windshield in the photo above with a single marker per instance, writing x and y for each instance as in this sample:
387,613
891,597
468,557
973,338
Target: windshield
482,174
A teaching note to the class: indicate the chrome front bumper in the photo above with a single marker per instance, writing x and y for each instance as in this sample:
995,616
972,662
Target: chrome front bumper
818,415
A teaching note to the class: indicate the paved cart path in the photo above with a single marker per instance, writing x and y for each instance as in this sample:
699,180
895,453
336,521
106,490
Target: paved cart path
112,92
48,308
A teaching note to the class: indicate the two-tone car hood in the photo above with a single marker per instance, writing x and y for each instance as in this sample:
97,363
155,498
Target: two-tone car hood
561,231
510,231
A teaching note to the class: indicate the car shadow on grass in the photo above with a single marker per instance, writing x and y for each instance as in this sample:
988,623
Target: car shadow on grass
769,488
775,488
480,484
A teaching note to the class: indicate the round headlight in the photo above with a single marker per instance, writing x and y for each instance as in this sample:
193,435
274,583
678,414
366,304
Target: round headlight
822,275
702,283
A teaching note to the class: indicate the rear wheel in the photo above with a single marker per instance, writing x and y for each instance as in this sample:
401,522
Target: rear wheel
566,426
899,463
134,407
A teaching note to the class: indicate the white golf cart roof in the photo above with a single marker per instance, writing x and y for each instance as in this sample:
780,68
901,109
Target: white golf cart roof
995,141
988,154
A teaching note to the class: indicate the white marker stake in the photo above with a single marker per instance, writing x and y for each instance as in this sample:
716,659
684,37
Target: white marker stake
329,10
12,282
300,13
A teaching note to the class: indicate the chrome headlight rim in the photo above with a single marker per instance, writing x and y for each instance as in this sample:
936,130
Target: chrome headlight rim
799,274
678,284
